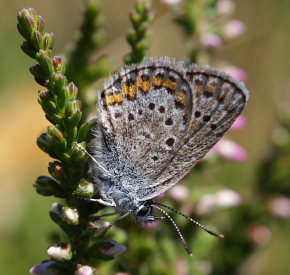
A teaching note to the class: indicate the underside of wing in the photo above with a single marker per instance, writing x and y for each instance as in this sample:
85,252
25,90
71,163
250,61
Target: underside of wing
144,113
218,99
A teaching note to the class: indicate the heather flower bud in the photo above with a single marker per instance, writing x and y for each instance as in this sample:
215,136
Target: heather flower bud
70,215
78,151
56,134
236,72
225,7
73,112
45,268
48,41
84,189
60,252
55,169
56,212
46,186
45,143
234,29
59,81
36,40
27,22
231,150
211,41
27,48
40,24
85,130
179,192
239,124
71,90
85,270
97,227
58,64
112,248
47,103
45,62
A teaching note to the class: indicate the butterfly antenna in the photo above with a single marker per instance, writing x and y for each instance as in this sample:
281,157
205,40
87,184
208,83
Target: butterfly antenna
208,230
101,167
185,244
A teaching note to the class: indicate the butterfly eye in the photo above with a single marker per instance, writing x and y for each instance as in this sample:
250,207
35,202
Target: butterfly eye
144,211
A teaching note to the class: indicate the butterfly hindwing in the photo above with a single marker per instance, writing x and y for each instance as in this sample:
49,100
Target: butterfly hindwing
218,99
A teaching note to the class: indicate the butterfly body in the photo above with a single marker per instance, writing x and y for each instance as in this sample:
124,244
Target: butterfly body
155,121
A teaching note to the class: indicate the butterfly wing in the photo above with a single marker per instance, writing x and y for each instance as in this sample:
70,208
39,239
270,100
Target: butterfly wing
218,99
144,113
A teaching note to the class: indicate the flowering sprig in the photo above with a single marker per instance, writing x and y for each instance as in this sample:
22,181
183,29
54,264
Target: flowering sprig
63,141
139,35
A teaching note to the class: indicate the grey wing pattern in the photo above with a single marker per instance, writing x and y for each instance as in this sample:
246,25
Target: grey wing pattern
144,113
217,101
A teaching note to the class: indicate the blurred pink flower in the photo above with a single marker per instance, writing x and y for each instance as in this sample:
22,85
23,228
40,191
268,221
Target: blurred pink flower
280,207
151,224
181,267
171,2
224,198
231,150
225,7
233,29
85,270
259,234
239,124
211,41
236,72
179,192
46,268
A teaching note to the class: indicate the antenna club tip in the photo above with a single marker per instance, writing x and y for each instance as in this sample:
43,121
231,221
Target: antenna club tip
221,236
191,254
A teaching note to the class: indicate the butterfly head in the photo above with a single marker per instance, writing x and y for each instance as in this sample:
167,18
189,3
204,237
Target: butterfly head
143,213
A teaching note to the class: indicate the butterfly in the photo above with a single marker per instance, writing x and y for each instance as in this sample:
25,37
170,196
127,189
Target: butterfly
155,121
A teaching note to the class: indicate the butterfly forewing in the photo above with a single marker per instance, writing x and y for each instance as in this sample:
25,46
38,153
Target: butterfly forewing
144,113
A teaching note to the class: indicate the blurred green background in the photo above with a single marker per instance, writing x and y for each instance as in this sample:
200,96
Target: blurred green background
263,53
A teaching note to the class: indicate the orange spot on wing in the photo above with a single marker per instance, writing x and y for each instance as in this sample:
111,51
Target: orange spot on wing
114,99
144,85
170,85
198,88
181,98
157,81
130,91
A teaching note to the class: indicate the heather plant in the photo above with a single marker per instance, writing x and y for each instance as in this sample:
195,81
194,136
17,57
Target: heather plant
86,247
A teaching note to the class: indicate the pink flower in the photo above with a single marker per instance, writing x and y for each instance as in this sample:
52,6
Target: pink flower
179,192
236,72
59,252
231,150
211,41
280,207
224,198
225,7
239,124
259,234
233,29
181,267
